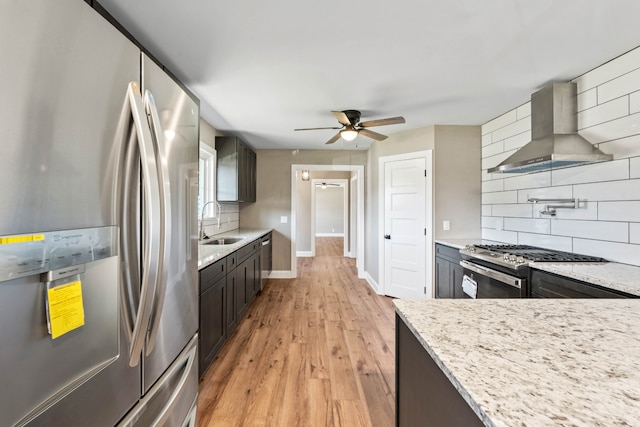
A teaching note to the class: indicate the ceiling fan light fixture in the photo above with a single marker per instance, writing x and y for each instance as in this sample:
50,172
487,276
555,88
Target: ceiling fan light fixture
348,134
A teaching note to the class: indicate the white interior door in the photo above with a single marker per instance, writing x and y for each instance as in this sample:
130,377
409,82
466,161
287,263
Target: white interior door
405,228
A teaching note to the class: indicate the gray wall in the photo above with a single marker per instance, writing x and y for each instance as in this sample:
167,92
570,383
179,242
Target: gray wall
273,193
330,210
456,182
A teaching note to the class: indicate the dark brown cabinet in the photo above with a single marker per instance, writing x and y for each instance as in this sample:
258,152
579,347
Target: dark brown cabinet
448,272
548,285
227,287
213,293
424,394
235,171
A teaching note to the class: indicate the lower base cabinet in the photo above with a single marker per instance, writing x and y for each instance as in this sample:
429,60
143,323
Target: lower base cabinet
227,287
424,395
548,285
448,272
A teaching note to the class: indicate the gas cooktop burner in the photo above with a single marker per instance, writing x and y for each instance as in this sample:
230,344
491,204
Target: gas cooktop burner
517,256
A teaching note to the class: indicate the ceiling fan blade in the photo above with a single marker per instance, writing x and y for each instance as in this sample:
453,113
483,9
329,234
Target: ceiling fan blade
334,139
334,127
382,122
342,117
371,134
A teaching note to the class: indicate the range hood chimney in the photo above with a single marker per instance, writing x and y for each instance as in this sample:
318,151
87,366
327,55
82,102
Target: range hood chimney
555,142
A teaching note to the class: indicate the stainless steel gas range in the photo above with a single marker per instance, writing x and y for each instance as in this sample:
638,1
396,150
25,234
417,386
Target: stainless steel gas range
502,271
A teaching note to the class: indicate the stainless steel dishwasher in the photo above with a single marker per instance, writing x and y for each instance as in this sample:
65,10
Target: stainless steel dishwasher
266,258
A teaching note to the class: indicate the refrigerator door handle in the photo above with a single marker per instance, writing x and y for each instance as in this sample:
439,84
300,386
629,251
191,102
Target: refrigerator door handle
165,217
151,245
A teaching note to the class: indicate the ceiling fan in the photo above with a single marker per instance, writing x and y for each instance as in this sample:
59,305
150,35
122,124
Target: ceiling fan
351,126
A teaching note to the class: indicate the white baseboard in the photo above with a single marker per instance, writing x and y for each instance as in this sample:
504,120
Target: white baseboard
304,254
281,274
372,283
329,234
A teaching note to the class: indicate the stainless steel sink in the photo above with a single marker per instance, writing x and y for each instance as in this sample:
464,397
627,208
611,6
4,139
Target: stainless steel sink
222,241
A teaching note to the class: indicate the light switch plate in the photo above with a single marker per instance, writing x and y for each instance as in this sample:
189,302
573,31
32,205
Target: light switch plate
446,225
284,219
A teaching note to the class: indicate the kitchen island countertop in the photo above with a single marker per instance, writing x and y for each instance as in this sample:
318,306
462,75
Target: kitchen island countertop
208,254
536,362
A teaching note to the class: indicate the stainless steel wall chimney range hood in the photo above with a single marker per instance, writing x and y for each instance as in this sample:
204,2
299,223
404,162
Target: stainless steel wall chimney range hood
555,142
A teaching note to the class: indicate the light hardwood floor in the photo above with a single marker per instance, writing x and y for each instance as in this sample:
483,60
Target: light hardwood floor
313,351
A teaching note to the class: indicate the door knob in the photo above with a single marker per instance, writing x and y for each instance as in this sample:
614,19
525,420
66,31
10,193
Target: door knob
387,236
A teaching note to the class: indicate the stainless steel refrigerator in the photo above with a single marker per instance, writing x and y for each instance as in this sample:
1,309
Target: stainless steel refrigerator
98,231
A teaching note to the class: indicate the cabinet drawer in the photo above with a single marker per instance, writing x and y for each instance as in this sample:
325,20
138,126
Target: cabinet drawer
448,252
232,261
547,285
246,251
210,274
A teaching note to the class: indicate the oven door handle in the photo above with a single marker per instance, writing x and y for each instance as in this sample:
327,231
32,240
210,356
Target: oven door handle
500,277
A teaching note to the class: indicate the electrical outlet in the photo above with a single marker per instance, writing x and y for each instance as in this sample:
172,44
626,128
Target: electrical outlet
446,225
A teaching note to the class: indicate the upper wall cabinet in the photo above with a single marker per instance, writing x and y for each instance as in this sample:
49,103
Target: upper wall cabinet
236,171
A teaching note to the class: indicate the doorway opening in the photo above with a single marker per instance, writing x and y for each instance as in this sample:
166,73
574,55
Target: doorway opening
352,185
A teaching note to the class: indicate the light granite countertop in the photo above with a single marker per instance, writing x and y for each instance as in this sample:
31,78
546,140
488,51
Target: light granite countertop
461,243
208,254
536,362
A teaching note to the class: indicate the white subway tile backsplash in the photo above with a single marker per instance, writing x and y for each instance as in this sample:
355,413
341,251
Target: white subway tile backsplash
520,126
523,111
565,192
513,210
499,122
634,233
532,180
489,162
500,235
615,129
527,225
634,166
587,99
517,141
608,111
546,241
607,222
493,186
634,102
492,222
596,172
620,86
609,71
596,230
499,198
622,148
493,149
619,211
618,252
609,191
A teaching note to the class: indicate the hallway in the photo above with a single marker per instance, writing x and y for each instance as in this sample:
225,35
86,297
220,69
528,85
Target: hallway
313,351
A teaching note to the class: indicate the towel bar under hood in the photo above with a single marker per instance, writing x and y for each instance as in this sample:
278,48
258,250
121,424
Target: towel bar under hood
555,142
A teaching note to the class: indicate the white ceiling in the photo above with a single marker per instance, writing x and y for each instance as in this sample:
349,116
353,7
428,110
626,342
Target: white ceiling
263,68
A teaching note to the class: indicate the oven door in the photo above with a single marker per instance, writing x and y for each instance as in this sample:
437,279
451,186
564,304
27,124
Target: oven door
493,283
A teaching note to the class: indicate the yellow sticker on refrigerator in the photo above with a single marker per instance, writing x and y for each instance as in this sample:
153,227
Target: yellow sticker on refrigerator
8,240
65,308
